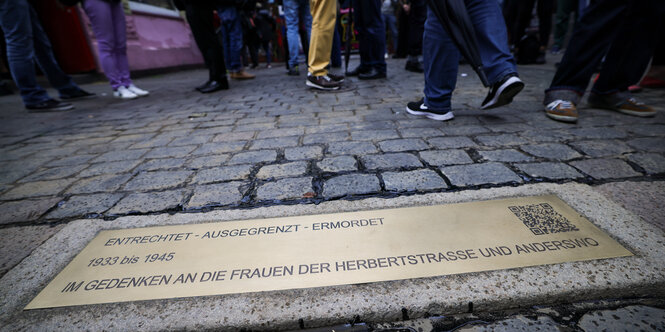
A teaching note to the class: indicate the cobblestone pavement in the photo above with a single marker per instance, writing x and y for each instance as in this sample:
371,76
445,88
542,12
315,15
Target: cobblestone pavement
273,141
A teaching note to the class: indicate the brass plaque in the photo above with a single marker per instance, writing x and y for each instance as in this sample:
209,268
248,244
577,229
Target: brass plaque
325,250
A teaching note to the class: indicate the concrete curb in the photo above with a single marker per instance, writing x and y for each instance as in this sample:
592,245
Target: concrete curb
641,275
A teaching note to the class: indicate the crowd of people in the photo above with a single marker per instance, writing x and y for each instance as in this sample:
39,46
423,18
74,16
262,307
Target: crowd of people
621,37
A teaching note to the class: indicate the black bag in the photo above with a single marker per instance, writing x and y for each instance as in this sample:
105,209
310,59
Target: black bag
528,49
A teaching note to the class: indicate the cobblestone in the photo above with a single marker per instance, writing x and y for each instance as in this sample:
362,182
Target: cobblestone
149,202
218,194
651,144
361,133
422,179
605,168
501,140
282,170
120,155
602,148
451,142
220,148
253,157
275,143
101,183
170,152
157,180
338,164
399,145
219,174
109,168
478,174
54,173
303,152
351,184
37,188
553,151
208,161
550,170
651,162
446,157
79,206
390,161
160,164
284,189
359,148
25,210
507,155
374,135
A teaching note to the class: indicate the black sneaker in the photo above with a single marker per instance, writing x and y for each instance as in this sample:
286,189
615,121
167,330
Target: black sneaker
502,92
414,66
419,108
293,71
323,82
50,105
77,94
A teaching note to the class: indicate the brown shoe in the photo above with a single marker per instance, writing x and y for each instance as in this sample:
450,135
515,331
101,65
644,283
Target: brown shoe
621,103
561,110
242,75
323,82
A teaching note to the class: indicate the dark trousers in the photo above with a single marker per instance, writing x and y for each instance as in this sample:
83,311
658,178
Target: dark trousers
624,31
199,16
368,21
417,16
545,10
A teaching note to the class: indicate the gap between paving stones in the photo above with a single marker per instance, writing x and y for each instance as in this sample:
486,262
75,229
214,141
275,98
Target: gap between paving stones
641,275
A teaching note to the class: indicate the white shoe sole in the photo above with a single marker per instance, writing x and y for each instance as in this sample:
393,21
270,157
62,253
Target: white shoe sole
561,118
312,85
505,93
439,117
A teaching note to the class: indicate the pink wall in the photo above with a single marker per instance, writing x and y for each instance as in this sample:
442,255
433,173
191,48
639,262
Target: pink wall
155,41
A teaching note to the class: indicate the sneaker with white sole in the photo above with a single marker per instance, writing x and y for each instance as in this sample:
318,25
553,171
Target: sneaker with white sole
139,92
561,110
323,82
419,108
124,93
501,93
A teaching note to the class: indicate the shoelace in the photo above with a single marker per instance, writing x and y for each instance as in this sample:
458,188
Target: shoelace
634,101
563,103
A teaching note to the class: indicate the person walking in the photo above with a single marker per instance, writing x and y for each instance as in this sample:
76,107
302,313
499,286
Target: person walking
441,61
107,18
27,43
623,32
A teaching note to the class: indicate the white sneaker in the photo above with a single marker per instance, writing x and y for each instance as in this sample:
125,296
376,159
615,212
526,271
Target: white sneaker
139,92
124,93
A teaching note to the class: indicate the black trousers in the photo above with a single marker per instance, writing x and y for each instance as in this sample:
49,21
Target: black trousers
417,16
368,20
544,9
200,19
626,32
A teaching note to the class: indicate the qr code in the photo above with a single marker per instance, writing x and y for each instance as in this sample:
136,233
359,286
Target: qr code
541,219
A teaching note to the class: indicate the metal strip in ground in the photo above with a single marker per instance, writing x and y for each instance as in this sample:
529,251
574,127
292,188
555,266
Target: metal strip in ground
325,250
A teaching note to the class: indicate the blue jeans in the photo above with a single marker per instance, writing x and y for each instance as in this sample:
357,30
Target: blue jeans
296,11
26,43
441,56
232,36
